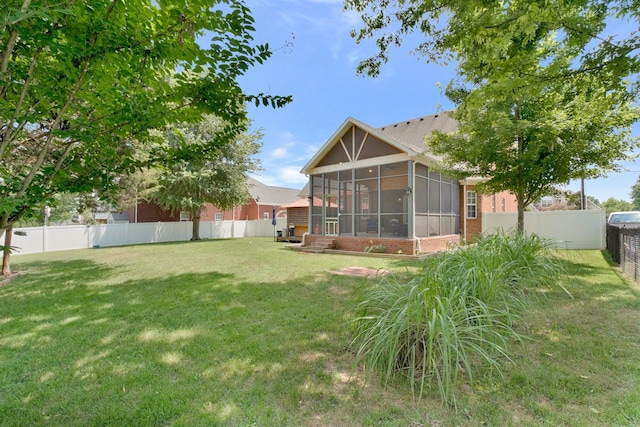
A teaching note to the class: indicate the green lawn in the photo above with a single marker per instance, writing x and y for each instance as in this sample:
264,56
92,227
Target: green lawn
247,333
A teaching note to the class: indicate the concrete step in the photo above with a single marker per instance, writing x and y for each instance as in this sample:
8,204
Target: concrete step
320,245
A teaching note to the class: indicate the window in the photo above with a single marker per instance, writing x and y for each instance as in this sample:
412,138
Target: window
184,216
364,206
546,202
265,215
218,216
472,204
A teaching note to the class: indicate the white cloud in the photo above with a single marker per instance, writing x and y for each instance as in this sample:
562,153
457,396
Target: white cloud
311,150
288,177
351,18
353,56
287,138
265,179
279,153
291,174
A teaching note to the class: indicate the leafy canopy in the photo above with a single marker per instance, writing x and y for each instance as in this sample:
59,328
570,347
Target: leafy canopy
635,195
217,175
542,97
457,29
616,205
81,84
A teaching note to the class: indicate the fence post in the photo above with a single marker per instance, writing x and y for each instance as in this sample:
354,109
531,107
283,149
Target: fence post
634,242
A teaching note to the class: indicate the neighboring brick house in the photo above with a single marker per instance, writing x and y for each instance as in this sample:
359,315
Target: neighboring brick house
263,199
379,185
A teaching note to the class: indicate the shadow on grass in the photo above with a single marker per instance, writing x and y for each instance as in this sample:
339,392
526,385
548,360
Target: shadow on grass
583,352
595,281
191,349
44,279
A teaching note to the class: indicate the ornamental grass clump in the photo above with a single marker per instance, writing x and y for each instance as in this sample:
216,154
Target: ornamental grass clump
453,317
530,257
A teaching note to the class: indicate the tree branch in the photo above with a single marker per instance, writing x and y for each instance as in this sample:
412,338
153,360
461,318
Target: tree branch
13,36
45,150
72,95
8,136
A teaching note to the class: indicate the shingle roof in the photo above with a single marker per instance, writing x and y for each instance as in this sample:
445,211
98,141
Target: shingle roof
412,132
407,136
269,195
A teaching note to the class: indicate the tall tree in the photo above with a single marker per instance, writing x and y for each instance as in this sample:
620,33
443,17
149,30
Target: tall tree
80,85
218,175
444,24
528,136
616,205
635,195
535,108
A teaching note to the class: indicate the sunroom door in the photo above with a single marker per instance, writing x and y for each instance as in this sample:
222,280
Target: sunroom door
330,211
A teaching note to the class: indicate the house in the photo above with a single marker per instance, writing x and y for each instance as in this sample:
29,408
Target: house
378,186
297,221
111,218
563,202
263,199
297,218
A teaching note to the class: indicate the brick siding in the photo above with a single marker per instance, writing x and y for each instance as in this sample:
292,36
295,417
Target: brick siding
392,246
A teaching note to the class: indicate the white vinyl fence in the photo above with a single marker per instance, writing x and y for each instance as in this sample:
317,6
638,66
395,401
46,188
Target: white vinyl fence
570,229
59,238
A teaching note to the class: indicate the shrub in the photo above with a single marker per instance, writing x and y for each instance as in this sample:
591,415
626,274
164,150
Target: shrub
455,315
379,248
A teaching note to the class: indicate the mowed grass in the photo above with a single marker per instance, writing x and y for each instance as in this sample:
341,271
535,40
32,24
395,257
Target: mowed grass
244,332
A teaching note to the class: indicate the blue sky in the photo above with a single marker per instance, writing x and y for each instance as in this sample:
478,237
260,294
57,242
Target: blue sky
315,61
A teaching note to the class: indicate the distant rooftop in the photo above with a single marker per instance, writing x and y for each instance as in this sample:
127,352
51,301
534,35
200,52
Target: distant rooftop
270,195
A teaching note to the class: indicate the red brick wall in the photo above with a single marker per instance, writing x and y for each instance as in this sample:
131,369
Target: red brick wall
471,227
150,212
392,246
499,202
209,213
242,213
433,244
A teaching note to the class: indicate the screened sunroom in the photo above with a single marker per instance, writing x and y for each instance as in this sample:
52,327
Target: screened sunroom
402,199
380,183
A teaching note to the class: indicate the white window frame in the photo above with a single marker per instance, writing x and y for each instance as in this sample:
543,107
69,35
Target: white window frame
219,216
364,201
185,216
472,204
265,215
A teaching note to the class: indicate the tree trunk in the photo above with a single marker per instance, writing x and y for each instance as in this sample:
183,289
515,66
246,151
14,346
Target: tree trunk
520,193
195,235
6,253
520,228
